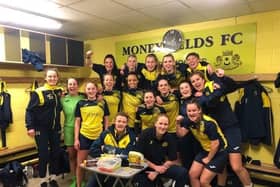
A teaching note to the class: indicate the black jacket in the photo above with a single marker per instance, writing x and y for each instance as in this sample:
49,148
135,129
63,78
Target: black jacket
43,110
6,116
254,114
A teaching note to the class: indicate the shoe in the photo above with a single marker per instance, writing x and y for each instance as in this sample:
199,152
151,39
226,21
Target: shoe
44,184
73,184
53,183
83,184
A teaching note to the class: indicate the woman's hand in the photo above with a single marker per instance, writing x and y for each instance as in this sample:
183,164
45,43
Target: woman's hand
205,160
31,133
160,169
152,175
216,86
198,94
77,145
159,100
179,119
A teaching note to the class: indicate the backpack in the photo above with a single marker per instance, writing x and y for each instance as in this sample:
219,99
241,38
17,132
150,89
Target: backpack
12,175
64,166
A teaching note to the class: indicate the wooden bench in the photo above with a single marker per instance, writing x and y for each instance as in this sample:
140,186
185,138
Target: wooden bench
20,153
16,153
265,172
264,168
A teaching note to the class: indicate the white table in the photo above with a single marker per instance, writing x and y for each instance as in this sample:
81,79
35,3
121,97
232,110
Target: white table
120,173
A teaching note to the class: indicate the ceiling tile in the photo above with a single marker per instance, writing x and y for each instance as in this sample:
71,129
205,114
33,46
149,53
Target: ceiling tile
258,6
167,12
139,4
224,12
202,4
69,14
101,8
65,2
136,20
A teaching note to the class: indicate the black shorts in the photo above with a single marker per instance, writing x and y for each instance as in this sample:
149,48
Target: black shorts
85,142
217,164
233,136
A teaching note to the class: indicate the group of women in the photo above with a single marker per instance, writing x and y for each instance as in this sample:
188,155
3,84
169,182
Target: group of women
148,107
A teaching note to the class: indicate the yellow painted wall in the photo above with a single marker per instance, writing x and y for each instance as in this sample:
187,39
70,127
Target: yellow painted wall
267,58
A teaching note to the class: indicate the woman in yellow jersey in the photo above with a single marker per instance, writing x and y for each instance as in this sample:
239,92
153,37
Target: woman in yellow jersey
149,73
147,113
171,72
117,139
132,97
91,118
111,96
170,103
212,158
221,110
194,64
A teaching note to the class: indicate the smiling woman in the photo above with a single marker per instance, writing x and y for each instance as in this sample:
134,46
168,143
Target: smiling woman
213,156
159,149
43,124
117,139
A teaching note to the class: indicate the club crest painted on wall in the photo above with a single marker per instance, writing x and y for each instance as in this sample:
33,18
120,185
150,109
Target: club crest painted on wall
228,60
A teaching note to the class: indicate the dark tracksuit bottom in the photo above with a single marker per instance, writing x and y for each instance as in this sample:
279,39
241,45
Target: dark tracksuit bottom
177,173
48,145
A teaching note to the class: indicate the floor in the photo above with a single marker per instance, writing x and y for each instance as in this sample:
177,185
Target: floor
63,182
67,180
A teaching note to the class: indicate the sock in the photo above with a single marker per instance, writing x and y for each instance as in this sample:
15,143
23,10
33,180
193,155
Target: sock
52,177
42,180
250,185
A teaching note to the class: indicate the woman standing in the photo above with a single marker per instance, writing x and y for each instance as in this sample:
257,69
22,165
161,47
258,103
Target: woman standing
91,118
111,96
221,111
132,97
213,157
43,123
170,103
69,103
147,113
149,73
170,72
109,67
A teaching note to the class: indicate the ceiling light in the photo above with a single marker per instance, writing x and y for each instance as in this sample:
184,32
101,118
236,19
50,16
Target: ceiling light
42,7
10,16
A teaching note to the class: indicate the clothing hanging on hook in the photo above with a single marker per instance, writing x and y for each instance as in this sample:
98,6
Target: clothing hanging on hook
5,112
254,112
